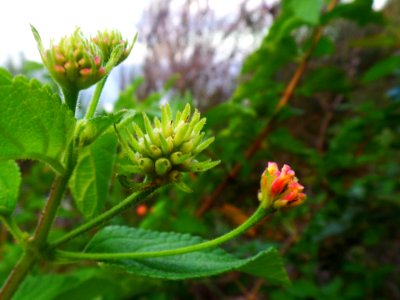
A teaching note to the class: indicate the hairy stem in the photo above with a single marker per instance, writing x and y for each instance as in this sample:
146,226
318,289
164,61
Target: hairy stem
257,216
123,205
49,212
17,275
38,241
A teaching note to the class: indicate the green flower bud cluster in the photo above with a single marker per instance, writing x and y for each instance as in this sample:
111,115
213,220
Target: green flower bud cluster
77,63
107,41
167,147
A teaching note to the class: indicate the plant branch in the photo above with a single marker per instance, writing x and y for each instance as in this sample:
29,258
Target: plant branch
123,205
49,212
37,244
256,145
17,275
39,239
257,216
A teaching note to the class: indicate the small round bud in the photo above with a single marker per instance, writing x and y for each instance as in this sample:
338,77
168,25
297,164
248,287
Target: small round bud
155,152
163,165
177,158
146,164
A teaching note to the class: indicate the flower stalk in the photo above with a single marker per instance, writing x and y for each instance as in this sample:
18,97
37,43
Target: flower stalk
256,217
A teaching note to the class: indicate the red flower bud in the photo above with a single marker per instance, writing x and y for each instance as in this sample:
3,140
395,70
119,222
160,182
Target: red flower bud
280,188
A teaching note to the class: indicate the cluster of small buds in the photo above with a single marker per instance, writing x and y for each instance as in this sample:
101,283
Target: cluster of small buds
77,63
280,188
107,41
167,147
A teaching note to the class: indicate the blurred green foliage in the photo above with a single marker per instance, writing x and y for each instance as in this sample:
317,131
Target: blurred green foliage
340,132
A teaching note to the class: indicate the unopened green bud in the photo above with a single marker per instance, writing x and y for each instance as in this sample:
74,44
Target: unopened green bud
180,134
199,126
75,63
166,120
107,41
150,131
146,164
185,114
163,165
155,151
187,147
172,145
170,142
178,157
86,132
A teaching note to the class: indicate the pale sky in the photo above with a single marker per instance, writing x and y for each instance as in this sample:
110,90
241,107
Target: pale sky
54,19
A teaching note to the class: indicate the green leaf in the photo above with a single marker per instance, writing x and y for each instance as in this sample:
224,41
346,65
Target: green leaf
46,287
90,284
34,124
116,239
327,78
358,11
307,10
90,179
325,47
382,68
10,179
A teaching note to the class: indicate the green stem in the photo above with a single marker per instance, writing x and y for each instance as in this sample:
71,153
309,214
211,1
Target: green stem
17,275
257,216
37,244
96,97
71,98
123,205
13,228
50,210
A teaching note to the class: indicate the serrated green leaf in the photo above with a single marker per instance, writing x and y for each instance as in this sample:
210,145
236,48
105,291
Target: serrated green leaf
10,179
116,239
46,287
88,284
34,124
90,179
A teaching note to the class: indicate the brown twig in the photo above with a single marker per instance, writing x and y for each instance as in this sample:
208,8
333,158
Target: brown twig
256,145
